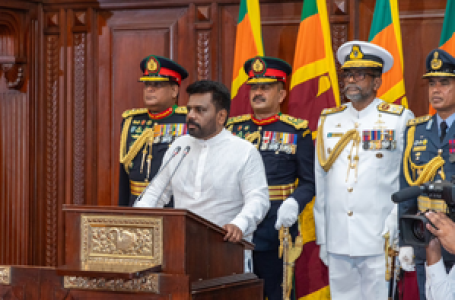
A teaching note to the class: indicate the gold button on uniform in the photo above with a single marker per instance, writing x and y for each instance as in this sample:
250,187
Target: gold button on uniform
350,213
350,190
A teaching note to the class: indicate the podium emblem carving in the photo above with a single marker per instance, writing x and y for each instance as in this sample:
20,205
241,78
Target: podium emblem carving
147,283
5,275
121,240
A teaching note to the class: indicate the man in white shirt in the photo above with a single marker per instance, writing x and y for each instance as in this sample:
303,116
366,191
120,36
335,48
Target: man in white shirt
223,178
439,284
359,147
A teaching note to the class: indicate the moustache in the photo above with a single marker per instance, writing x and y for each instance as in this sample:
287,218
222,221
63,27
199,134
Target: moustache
193,123
351,85
259,98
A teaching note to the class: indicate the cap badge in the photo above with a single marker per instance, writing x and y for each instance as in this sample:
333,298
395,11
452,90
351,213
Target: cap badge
258,66
436,63
153,66
356,53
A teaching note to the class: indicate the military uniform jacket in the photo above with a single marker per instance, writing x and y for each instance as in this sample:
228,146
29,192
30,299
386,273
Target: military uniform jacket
425,146
353,198
286,148
143,142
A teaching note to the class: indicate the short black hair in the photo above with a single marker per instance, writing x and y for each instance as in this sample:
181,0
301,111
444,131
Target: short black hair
221,96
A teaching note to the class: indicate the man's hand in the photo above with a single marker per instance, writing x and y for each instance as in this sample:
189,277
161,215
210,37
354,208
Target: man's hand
234,234
433,252
444,229
287,213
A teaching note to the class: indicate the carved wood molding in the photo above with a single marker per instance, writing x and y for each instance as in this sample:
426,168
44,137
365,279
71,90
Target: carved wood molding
5,275
12,49
52,69
79,114
339,37
203,55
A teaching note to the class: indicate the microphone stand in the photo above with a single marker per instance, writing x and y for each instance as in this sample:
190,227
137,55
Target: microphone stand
185,153
174,154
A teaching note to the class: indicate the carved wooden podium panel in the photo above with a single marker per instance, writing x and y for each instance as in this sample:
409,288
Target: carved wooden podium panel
126,253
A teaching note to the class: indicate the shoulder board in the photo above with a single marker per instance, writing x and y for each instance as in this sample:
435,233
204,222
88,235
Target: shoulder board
419,120
238,119
297,123
181,110
133,112
333,110
391,108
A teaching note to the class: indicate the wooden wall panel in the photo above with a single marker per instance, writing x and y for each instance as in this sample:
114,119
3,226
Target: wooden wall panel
16,139
81,65
14,178
126,38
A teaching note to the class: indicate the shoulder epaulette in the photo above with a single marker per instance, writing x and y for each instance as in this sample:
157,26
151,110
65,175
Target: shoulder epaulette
297,123
419,120
133,112
181,110
238,119
333,110
391,108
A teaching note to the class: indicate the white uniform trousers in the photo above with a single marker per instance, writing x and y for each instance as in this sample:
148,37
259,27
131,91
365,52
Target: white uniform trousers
357,277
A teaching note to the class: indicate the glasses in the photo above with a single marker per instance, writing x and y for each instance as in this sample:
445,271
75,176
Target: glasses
358,76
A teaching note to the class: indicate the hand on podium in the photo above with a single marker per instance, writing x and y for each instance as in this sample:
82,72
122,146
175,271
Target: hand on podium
234,234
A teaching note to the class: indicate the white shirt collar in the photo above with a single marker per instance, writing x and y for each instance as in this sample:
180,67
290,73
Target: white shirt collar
224,134
371,108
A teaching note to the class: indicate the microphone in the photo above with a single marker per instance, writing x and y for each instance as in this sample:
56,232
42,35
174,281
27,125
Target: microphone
174,154
184,154
407,193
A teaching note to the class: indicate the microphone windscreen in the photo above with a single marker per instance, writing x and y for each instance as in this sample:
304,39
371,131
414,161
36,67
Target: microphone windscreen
406,194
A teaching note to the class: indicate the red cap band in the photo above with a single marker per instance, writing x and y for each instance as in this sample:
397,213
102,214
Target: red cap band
280,75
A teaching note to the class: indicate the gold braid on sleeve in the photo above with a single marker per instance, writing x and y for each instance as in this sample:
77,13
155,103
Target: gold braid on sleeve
427,171
326,164
126,158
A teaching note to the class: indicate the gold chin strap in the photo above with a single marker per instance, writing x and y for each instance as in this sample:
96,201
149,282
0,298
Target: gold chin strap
127,158
427,171
352,135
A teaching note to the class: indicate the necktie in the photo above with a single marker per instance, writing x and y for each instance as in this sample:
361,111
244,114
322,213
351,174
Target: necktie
443,127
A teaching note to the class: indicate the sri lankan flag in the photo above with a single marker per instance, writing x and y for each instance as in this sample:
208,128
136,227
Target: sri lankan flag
385,32
447,41
314,86
314,83
248,44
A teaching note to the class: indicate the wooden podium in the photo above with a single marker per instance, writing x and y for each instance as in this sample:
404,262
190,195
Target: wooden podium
126,253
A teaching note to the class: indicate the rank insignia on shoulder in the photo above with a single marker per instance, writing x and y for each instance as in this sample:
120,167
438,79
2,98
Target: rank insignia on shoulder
419,120
297,123
333,110
238,119
391,108
133,112
182,110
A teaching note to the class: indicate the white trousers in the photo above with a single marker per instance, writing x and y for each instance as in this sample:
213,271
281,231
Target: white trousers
357,277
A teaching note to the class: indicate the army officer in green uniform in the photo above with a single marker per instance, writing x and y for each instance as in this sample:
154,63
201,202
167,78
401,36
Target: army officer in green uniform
147,132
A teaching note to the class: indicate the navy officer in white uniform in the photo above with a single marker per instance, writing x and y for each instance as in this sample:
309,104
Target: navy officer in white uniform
358,150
